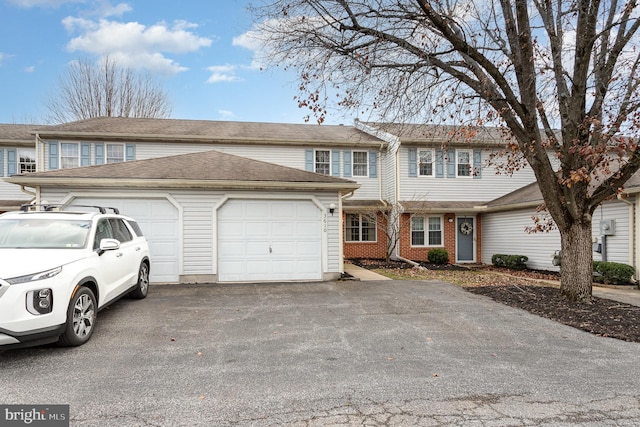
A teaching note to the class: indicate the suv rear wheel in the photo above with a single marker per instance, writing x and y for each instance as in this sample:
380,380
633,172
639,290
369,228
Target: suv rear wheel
81,318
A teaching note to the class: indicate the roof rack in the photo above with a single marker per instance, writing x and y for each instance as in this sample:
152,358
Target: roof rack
50,207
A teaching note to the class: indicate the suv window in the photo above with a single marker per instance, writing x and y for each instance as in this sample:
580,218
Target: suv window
120,230
50,233
136,228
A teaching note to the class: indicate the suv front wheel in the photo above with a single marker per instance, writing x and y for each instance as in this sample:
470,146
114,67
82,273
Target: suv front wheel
81,318
142,287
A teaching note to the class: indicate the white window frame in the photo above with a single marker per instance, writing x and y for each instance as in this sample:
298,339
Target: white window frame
23,166
316,163
108,159
63,157
426,231
347,227
459,163
432,153
365,164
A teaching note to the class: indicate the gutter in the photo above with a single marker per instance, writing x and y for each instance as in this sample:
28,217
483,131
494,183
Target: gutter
25,180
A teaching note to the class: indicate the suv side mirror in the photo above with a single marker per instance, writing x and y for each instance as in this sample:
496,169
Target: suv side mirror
108,245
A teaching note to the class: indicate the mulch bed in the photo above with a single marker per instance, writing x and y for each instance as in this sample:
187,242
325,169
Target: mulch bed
602,317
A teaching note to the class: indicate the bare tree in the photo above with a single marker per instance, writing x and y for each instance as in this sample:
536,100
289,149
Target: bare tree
531,66
106,89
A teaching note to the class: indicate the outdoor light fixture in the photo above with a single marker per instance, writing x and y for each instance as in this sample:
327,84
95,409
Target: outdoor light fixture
332,208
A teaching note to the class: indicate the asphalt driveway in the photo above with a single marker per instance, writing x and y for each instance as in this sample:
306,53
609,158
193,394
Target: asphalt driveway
337,353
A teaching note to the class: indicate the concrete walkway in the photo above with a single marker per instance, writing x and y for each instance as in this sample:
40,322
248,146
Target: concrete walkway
627,295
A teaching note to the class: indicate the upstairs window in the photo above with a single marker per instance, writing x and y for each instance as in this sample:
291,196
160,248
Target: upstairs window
69,156
425,162
26,161
359,228
115,153
360,163
464,163
323,162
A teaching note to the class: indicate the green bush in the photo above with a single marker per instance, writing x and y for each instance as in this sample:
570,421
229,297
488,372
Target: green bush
514,262
438,256
614,273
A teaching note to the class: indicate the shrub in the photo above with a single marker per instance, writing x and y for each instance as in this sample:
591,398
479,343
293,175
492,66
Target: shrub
614,273
438,256
514,262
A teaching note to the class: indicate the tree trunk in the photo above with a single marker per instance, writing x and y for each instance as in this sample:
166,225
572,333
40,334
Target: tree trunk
576,273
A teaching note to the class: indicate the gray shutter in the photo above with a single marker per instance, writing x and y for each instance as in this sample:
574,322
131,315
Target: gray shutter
85,154
477,164
373,164
308,160
413,162
335,162
131,152
451,163
12,162
54,159
439,164
346,155
99,154
1,162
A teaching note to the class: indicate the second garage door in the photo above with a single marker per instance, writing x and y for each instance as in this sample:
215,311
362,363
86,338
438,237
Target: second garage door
269,240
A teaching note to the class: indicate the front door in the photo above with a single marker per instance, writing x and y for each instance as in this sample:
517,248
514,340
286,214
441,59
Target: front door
465,239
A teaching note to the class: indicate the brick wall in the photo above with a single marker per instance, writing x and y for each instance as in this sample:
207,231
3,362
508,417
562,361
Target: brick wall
420,253
377,250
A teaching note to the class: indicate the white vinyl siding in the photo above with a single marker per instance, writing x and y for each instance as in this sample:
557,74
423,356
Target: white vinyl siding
490,186
504,233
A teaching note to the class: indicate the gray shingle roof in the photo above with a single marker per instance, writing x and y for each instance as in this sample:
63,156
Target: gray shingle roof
431,134
173,130
194,169
16,134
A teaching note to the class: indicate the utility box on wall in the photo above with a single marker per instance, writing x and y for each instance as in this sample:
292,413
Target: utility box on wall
607,227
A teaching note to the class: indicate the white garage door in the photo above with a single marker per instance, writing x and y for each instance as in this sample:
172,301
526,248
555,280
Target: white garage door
159,222
269,240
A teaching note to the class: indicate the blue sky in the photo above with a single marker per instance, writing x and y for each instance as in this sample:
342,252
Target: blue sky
194,48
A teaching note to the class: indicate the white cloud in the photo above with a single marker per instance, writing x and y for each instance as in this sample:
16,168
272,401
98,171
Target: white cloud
223,73
135,44
252,41
30,69
226,114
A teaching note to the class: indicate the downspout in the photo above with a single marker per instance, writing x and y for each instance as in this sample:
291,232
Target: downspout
633,251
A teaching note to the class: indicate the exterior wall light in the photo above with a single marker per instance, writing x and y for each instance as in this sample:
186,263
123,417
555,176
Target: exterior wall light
332,208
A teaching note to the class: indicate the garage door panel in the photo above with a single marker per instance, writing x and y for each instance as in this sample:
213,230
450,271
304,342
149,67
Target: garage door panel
282,240
234,249
257,249
257,229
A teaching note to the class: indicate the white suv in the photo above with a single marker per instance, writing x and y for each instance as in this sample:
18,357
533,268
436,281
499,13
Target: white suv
58,268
